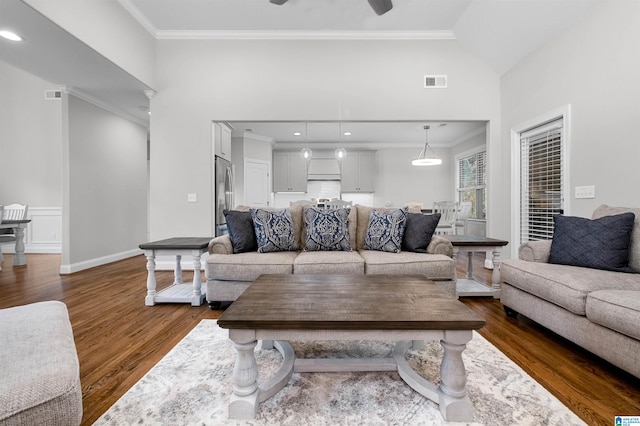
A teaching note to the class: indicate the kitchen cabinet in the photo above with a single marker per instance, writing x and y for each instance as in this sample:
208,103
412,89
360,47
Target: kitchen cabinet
221,140
358,171
289,172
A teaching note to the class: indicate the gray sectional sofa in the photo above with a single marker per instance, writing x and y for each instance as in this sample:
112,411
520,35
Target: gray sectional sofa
229,274
596,309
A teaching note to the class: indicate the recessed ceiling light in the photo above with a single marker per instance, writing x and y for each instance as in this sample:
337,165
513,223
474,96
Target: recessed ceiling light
297,134
10,35
347,133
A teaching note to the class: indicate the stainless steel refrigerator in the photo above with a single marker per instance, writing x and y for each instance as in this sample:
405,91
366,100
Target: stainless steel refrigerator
224,192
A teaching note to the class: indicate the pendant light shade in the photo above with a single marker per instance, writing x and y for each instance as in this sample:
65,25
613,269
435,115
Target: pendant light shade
427,157
306,152
340,153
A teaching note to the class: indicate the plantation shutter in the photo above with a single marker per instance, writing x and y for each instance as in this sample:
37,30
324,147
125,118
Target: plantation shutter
541,169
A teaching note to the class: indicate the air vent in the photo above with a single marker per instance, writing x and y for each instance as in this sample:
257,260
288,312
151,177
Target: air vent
52,94
435,81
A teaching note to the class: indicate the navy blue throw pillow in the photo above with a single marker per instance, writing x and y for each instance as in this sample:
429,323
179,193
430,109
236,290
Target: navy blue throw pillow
419,231
385,230
241,232
599,243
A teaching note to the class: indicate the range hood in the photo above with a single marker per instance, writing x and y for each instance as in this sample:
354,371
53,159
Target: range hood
323,169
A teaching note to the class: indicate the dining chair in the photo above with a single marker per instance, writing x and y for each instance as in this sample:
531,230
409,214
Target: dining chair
10,212
448,212
464,211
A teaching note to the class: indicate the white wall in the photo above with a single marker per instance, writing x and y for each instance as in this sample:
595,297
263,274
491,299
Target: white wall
109,29
201,81
30,140
594,66
399,182
104,186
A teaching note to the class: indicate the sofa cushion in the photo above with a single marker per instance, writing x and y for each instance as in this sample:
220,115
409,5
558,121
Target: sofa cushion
601,243
248,266
329,262
565,286
274,230
385,230
634,246
419,231
241,231
617,310
326,229
434,266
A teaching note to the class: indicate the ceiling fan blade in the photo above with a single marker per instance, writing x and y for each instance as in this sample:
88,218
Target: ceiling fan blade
278,2
381,6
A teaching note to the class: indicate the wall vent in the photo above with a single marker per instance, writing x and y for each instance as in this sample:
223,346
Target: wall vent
435,81
52,94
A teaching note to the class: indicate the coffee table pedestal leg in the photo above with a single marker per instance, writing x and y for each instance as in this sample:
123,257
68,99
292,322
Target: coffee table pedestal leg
454,403
244,400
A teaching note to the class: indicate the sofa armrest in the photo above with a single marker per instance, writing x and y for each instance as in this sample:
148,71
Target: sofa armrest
221,245
535,251
439,245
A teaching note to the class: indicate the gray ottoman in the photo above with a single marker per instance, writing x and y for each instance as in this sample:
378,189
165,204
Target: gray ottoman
39,370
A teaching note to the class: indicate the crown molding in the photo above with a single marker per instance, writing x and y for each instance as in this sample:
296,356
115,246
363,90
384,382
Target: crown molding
80,94
139,16
303,35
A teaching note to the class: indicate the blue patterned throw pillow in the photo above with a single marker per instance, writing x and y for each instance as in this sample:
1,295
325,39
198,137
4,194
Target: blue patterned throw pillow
599,243
274,230
327,230
385,230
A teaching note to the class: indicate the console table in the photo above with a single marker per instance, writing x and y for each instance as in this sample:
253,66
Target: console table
470,244
178,292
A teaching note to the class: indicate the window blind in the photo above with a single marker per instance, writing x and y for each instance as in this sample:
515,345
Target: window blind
541,179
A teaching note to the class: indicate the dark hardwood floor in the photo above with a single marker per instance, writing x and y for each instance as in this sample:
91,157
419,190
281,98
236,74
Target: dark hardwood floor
119,339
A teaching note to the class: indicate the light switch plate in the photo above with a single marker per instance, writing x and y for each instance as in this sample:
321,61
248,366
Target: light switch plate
192,198
586,191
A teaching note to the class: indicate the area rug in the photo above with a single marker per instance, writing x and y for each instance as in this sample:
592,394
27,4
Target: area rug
191,386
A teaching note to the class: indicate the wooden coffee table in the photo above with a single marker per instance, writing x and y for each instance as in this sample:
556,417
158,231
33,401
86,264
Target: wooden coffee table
407,309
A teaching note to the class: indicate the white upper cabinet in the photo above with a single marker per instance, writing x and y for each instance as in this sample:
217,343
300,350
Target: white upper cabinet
289,172
358,171
221,140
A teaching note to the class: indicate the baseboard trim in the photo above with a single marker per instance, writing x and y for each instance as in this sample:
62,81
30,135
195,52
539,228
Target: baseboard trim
92,263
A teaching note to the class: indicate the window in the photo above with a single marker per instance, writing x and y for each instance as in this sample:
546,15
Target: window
541,180
472,182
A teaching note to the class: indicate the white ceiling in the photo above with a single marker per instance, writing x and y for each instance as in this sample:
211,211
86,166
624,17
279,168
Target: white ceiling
501,32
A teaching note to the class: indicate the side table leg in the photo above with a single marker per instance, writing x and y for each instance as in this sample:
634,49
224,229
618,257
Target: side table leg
470,265
151,279
455,405
244,400
495,275
196,299
19,258
177,272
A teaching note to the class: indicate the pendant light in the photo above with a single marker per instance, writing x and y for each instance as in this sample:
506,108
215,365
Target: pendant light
340,152
427,157
306,152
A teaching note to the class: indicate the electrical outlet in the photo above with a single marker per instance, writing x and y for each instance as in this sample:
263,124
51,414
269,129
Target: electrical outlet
586,191
192,198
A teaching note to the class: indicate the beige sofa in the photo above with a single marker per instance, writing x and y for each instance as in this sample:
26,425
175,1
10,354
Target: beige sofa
229,274
596,309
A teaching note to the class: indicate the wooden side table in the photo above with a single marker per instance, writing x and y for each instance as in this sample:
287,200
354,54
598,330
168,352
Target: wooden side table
470,244
178,292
